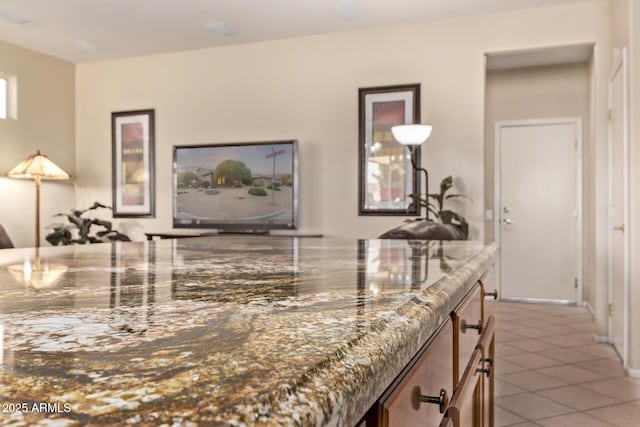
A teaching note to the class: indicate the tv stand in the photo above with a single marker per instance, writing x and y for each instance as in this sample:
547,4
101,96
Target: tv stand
180,235
258,232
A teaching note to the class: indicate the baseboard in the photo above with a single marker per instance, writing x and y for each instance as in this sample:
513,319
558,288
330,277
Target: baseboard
539,301
633,373
601,338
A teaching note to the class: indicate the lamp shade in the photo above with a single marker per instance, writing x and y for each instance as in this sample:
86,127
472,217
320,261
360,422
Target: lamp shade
37,276
411,134
38,165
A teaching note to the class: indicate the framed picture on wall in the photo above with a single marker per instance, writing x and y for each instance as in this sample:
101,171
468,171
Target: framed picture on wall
385,176
133,174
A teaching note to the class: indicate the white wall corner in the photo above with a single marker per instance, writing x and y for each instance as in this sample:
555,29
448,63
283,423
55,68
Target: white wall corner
596,338
589,309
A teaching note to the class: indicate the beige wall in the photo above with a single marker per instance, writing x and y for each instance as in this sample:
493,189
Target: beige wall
306,88
544,92
620,25
46,114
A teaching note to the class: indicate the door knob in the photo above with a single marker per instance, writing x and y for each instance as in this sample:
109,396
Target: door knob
619,228
442,400
493,294
486,371
477,326
508,221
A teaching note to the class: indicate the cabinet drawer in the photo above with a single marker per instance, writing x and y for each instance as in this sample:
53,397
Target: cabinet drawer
430,375
467,327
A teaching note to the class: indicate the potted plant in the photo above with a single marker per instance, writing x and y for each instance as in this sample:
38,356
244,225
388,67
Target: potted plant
80,229
436,206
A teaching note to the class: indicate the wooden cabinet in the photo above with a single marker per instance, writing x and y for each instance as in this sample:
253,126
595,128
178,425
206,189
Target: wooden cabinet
472,404
423,395
450,382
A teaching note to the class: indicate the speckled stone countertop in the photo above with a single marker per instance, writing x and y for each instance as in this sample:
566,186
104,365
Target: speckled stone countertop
226,330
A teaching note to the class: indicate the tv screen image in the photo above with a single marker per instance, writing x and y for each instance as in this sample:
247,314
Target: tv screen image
236,186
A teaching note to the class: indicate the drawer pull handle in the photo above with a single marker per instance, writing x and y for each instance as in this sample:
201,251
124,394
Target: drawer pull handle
464,326
486,371
442,400
493,294
489,361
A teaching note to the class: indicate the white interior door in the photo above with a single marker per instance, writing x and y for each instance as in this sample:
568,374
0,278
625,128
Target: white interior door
618,208
538,209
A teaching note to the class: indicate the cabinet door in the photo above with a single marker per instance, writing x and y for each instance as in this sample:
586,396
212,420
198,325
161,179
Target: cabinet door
466,405
447,422
487,346
430,376
467,327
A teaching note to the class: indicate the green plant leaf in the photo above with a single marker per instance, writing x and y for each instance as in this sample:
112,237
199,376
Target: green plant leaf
103,223
63,233
453,196
97,205
435,204
446,184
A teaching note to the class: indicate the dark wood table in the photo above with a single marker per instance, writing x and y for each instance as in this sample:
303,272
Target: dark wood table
185,234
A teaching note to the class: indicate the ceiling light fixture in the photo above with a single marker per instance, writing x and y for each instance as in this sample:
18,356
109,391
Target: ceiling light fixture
347,11
220,28
87,45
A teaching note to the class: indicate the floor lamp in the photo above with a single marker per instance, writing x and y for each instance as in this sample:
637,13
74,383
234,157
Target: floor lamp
38,167
412,136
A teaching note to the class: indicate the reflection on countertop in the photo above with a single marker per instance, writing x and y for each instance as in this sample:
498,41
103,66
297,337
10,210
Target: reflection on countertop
226,329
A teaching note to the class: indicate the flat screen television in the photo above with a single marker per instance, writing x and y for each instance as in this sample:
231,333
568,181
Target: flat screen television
250,187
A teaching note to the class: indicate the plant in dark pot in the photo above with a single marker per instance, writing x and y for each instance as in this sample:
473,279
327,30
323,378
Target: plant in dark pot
82,229
436,206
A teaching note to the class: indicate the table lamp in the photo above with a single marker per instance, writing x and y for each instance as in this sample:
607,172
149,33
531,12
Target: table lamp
412,136
38,167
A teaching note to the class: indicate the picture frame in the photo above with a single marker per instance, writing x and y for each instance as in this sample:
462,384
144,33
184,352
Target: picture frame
386,178
133,163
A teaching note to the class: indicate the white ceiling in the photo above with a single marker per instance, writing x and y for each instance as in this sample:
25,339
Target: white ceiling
124,28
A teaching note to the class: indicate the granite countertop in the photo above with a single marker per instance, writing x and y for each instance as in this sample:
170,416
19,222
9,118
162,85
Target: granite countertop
225,330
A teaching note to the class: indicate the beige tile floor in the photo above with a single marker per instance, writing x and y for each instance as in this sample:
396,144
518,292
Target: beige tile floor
550,372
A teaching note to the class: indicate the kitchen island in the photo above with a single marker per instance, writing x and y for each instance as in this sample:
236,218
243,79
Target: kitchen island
224,330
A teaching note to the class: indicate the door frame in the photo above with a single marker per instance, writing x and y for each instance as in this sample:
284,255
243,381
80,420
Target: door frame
619,66
497,199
